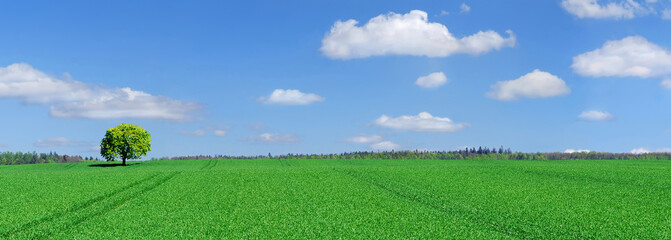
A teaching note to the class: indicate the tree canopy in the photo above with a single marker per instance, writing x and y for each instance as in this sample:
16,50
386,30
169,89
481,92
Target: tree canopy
125,141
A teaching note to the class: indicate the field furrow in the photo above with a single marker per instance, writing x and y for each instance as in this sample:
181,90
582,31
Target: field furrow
352,199
58,222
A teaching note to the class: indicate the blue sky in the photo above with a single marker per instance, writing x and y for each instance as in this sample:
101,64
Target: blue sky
252,77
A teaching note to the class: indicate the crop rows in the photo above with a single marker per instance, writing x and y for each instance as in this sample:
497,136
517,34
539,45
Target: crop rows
58,222
289,198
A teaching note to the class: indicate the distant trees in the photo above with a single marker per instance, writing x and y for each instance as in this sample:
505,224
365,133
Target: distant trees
125,141
470,153
15,158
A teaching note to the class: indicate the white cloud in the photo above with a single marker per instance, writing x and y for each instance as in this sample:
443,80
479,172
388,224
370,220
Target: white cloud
274,138
640,150
465,8
405,34
647,150
73,99
666,83
595,116
444,13
576,150
125,103
55,142
219,133
632,56
385,146
537,84
290,97
23,82
423,122
666,14
432,80
615,10
364,139
198,133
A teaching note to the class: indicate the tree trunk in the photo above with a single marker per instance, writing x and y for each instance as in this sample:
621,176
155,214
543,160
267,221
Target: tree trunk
124,161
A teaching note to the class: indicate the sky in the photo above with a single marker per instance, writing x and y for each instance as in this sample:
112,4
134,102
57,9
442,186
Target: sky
259,77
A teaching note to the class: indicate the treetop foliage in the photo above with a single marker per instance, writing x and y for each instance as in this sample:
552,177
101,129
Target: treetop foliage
125,141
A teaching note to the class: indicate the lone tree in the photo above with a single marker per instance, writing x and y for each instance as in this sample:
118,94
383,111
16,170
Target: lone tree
125,141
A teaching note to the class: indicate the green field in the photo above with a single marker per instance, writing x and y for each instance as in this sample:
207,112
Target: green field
365,199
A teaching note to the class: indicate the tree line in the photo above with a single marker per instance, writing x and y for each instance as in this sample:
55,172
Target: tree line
480,153
15,158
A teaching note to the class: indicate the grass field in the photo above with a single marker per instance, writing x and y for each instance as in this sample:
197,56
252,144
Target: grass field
338,199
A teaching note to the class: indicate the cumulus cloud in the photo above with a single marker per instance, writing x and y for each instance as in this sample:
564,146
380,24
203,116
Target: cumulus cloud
197,133
465,8
274,138
576,150
615,10
55,142
290,97
537,84
219,133
405,34
595,116
385,146
432,80
632,56
364,139
423,122
72,99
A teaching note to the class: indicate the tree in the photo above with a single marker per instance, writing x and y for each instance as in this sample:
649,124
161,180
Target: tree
125,141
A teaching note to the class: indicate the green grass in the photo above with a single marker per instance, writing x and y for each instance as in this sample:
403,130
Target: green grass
318,199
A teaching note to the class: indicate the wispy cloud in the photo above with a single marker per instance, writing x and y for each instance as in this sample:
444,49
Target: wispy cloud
219,133
643,150
94,149
666,14
423,122
364,139
615,10
385,146
595,116
274,138
198,133
464,8
291,97
56,142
